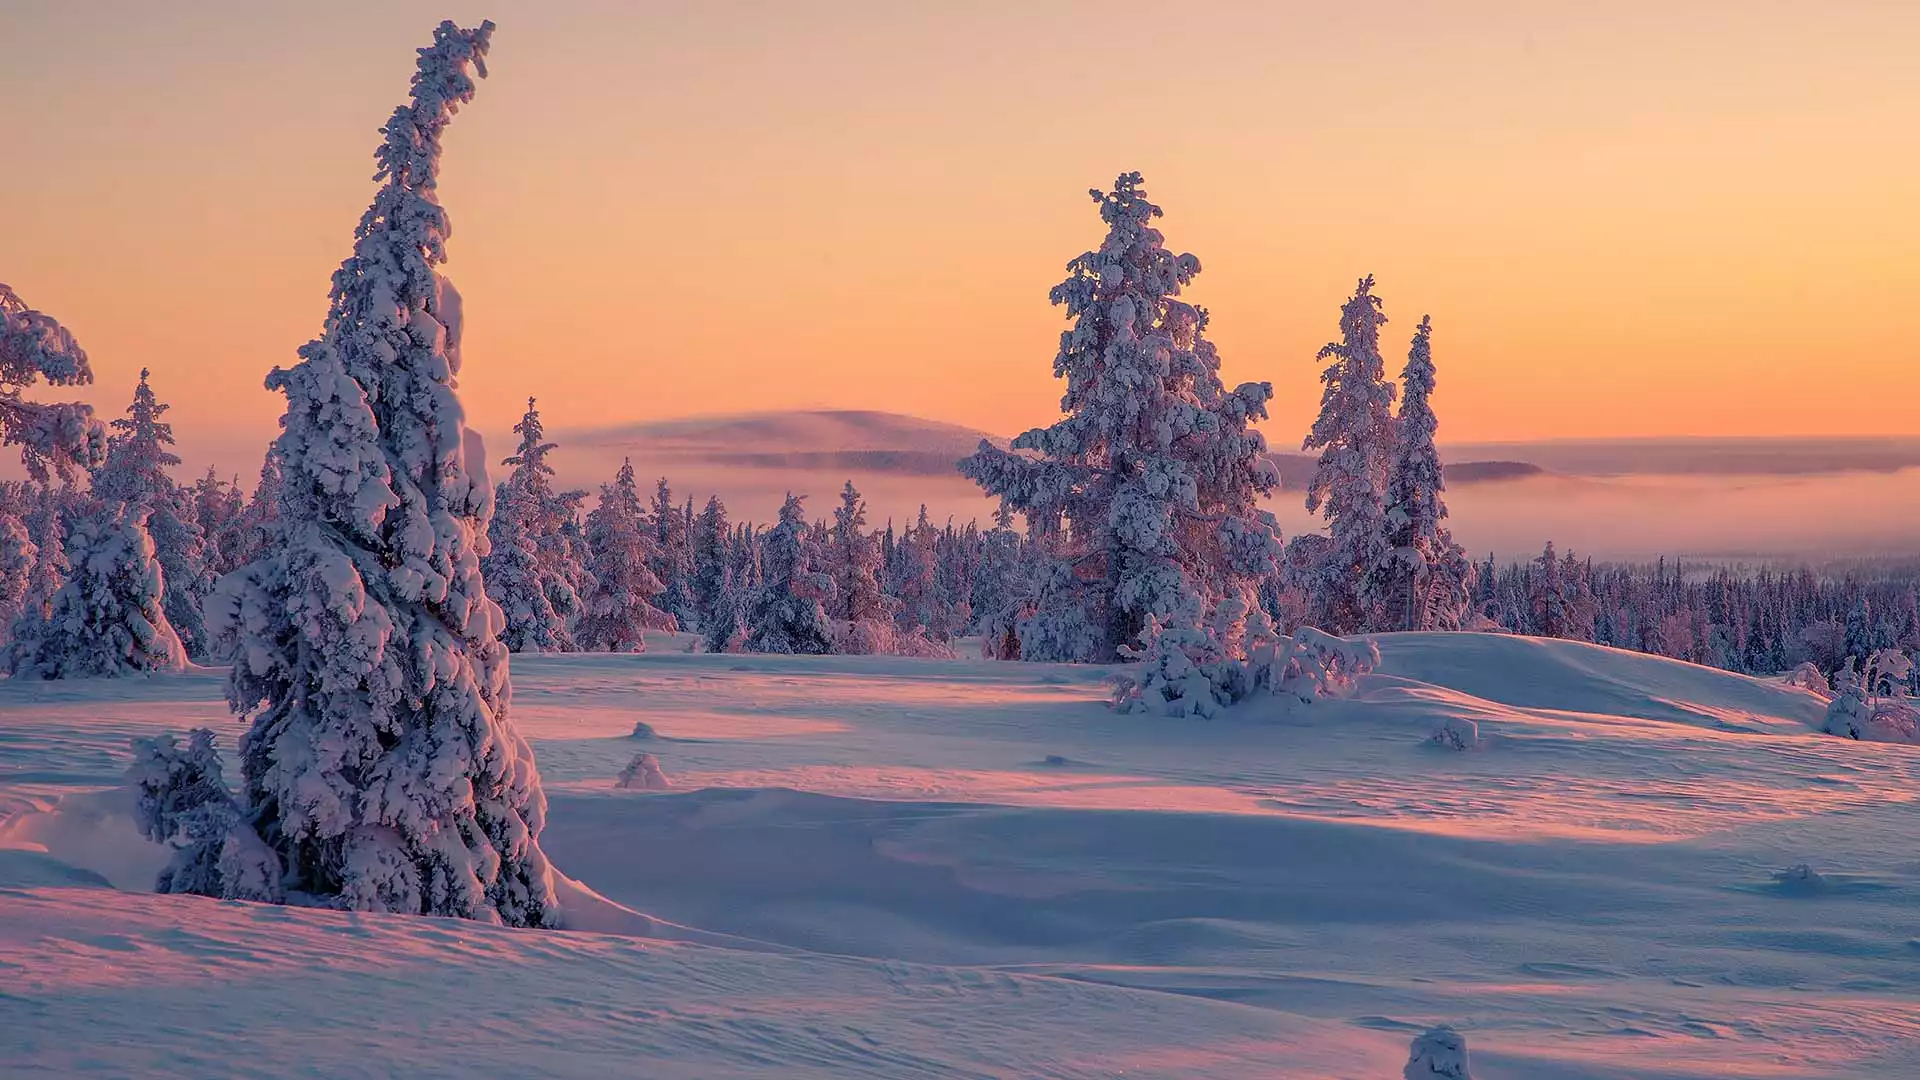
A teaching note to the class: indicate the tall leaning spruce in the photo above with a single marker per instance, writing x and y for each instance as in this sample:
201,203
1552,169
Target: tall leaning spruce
380,771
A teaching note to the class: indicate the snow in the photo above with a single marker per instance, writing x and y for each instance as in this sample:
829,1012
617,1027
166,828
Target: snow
867,867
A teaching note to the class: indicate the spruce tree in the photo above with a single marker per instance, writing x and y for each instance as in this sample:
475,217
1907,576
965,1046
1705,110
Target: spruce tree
136,472
786,615
527,570
381,770
1354,434
711,571
18,554
673,558
619,609
108,617
853,563
54,439
1427,576
1154,467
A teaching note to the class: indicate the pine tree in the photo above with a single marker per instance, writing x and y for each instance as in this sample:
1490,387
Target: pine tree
108,618
528,567
255,529
18,554
1547,596
854,559
381,769
1153,467
136,472
216,507
673,558
618,610
1354,434
786,615
54,439
1427,578
711,571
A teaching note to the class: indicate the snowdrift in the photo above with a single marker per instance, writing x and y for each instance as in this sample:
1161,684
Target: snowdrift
882,867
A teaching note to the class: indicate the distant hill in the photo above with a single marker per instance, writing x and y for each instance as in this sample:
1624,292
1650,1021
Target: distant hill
867,442
1296,470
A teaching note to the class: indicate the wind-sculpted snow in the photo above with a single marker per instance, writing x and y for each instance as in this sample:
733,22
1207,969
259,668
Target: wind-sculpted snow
873,866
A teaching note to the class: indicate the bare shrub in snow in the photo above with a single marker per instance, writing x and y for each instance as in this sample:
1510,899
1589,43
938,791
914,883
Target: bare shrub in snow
1456,733
1438,1054
643,773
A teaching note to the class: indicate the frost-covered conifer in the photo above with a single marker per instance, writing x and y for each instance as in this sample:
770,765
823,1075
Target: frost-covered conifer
57,438
109,616
785,615
673,558
514,580
1154,468
619,609
854,563
1438,1054
531,570
1425,584
381,770
1354,434
216,506
18,553
136,472
258,515
710,569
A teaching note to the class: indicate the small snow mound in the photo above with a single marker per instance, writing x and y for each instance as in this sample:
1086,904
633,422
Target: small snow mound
1800,877
1438,1054
1456,733
643,773
643,730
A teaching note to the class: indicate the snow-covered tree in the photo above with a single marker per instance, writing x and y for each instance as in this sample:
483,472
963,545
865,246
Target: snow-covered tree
255,529
1354,434
136,472
109,616
673,557
54,438
853,560
514,579
1154,467
531,568
711,570
1427,578
1438,1054
18,554
381,770
216,507
786,615
619,609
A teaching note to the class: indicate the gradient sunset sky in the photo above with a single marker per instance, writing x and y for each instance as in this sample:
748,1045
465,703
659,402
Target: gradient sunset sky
1625,218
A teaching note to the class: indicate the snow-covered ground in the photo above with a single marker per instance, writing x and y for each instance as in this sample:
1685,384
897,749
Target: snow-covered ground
886,867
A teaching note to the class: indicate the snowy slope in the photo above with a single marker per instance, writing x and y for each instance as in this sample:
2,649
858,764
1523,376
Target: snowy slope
872,869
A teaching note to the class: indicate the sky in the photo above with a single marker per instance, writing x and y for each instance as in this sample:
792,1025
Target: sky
1629,219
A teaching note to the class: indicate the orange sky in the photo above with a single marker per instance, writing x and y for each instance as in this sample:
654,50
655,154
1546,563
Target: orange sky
1625,219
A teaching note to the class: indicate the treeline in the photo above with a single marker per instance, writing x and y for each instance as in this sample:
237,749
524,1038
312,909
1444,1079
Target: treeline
1756,621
